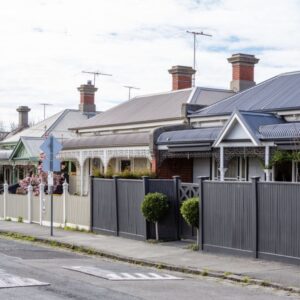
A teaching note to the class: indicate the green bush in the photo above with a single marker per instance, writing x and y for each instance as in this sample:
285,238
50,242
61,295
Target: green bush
155,206
125,174
190,211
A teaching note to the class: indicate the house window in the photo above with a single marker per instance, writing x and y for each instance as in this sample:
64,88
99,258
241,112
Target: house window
125,165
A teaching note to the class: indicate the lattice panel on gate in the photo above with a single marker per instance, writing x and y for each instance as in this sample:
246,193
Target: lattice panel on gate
188,190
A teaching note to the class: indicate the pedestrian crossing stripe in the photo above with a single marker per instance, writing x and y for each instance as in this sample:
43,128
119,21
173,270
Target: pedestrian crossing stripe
121,276
11,281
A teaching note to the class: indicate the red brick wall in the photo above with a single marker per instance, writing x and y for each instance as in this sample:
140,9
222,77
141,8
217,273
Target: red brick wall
181,82
87,98
182,167
242,72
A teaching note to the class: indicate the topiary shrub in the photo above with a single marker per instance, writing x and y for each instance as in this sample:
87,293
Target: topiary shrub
190,212
154,208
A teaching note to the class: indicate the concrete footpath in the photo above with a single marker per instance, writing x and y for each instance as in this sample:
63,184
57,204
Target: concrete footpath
170,254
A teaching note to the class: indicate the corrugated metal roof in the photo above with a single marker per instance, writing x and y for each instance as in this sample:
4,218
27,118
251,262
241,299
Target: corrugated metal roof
153,108
113,140
277,93
57,125
280,131
5,154
189,136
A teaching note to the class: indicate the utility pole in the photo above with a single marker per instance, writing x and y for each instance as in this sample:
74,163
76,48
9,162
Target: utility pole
129,90
45,104
96,73
195,33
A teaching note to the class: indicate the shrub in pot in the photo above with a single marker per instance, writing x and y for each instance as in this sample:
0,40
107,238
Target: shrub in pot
154,208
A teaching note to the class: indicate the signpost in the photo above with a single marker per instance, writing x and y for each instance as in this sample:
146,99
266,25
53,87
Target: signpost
51,148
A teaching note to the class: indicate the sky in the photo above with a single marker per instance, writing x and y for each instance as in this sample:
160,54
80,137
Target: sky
46,44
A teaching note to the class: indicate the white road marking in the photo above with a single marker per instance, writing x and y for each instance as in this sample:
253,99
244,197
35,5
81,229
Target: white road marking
121,276
10,281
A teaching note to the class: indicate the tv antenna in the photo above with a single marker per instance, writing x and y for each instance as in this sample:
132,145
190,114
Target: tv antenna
96,73
195,33
44,105
129,87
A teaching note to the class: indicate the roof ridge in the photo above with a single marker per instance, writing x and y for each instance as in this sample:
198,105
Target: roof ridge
161,93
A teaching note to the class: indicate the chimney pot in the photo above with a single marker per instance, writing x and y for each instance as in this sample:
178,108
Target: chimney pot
23,116
242,71
181,77
87,98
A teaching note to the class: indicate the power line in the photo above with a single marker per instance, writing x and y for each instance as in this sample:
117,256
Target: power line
129,90
195,33
96,73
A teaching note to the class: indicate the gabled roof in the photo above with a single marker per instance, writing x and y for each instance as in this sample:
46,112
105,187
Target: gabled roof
57,125
281,92
31,145
154,108
250,123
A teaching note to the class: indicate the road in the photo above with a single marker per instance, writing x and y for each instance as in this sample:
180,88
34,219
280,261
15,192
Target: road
44,265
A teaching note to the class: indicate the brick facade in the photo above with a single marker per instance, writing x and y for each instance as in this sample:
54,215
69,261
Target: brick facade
182,167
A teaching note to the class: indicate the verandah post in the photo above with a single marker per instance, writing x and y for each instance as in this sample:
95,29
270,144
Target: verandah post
91,202
200,236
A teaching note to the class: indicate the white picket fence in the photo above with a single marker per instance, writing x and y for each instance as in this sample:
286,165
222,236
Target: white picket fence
68,210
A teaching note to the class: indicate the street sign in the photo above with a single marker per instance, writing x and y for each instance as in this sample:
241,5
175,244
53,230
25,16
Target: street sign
51,148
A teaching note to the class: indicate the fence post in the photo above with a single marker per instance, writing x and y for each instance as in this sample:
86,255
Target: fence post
5,195
201,212
146,191
115,178
41,198
176,180
91,201
255,224
29,207
65,196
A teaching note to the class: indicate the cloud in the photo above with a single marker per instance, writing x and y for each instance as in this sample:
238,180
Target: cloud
46,44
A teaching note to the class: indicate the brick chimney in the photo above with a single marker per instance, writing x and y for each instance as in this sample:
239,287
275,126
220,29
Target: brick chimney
87,97
242,71
23,116
181,77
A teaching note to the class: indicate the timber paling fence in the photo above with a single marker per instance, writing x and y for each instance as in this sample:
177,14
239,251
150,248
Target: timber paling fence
68,210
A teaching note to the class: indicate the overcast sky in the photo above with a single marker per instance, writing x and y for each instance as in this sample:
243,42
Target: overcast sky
45,44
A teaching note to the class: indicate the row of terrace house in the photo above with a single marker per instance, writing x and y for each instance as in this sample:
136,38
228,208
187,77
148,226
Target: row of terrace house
247,130
123,137
252,133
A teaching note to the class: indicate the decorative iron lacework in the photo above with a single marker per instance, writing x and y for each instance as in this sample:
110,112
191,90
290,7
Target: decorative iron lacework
188,190
231,152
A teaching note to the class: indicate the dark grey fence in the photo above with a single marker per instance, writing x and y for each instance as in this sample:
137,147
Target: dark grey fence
116,207
259,219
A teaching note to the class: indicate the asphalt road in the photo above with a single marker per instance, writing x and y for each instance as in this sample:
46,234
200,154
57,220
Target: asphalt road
47,265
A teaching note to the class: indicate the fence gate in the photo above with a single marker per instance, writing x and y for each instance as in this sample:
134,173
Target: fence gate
186,191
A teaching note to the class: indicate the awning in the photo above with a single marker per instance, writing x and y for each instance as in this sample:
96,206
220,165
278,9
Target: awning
105,141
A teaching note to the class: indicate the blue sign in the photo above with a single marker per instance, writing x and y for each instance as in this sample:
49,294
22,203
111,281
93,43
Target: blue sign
51,148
